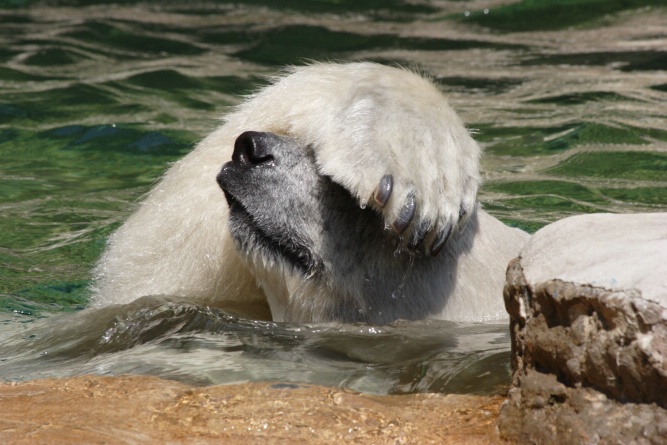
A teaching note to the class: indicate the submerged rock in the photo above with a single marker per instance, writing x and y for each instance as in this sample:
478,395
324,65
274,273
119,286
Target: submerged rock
588,305
140,409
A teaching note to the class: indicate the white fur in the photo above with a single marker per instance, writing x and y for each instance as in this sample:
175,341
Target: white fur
364,121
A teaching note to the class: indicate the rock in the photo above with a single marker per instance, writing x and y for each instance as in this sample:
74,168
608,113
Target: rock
587,300
140,409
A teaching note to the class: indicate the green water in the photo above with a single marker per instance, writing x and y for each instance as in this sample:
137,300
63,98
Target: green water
568,98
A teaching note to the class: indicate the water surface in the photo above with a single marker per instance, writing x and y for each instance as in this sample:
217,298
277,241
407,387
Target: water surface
567,97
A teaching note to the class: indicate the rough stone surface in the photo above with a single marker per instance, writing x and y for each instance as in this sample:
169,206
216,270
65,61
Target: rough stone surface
140,409
588,305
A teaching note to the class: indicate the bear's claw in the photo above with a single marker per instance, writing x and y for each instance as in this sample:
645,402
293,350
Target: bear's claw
383,190
441,239
419,234
405,216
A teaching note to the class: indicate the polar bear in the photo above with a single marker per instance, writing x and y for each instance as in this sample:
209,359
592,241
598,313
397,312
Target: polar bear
341,192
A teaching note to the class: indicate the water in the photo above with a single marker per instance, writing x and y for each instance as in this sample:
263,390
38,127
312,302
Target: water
568,99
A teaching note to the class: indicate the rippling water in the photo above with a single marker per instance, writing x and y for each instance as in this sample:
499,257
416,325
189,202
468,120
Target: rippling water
567,97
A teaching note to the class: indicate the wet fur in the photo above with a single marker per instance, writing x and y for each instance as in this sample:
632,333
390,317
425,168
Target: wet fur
297,237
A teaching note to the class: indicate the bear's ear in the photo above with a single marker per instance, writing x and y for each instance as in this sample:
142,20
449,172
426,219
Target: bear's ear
390,138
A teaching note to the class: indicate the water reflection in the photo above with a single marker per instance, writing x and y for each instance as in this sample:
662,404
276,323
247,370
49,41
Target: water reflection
202,346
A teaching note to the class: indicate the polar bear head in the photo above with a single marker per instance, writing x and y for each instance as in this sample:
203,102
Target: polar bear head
350,195
316,252
346,182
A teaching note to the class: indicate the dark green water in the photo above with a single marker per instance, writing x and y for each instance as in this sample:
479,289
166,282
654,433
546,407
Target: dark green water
568,98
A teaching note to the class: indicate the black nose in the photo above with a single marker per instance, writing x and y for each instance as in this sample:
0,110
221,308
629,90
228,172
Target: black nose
253,148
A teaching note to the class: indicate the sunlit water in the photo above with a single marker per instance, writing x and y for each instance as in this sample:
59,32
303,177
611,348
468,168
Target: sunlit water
568,98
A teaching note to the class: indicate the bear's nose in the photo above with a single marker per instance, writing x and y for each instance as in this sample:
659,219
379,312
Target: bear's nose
253,148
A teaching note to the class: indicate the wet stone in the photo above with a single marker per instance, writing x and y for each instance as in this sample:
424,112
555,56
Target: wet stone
150,410
587,299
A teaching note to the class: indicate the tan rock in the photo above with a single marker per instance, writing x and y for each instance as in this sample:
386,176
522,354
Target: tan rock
587,300
140,409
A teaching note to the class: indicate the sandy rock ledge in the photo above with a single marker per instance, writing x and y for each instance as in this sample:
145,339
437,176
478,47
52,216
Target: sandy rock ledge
588,305
149,410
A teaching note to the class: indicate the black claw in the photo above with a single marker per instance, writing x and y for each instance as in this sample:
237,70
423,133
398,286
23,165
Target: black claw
419,235
462,212
441,239
406,215
383,190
